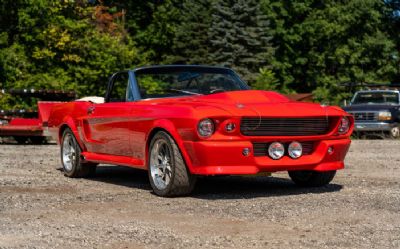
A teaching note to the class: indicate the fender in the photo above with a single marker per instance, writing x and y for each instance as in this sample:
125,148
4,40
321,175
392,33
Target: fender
169,127
70,123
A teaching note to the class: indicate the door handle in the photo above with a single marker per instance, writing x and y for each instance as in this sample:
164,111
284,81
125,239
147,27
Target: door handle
90,110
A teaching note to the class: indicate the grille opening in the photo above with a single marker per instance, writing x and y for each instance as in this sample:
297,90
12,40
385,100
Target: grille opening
365,116
255,126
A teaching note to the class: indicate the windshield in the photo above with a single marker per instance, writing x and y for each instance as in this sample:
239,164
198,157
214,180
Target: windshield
183,81
376,98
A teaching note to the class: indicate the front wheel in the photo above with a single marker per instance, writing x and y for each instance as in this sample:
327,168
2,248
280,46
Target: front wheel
395,132
308,178
71,157
168,173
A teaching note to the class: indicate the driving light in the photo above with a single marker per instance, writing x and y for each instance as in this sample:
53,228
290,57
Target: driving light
384,116
344,125
295,150
276,150
229,127
205,127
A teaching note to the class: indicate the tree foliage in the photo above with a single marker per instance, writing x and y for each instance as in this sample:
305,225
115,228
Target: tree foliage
323,43
288,46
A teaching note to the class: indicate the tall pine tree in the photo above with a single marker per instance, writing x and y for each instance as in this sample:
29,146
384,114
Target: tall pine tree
191,43
240,37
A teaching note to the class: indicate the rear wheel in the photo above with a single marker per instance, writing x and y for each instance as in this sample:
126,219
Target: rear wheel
168,173
308,178
71,157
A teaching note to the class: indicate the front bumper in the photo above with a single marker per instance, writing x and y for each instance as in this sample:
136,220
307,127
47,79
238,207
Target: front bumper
374,126
226,158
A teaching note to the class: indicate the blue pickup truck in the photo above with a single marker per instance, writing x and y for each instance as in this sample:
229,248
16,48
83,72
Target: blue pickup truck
376,113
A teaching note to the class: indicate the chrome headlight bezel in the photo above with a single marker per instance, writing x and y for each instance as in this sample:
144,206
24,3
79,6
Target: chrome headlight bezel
344,125
206,127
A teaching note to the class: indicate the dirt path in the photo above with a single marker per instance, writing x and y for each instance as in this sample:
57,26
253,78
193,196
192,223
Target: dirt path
40,208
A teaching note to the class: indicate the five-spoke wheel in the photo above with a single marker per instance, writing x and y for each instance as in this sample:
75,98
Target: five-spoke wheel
71,157
168,173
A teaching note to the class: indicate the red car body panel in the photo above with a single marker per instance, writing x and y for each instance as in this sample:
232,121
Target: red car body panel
29,126
120,132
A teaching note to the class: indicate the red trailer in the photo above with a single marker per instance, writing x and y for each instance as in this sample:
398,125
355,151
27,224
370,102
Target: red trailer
31,126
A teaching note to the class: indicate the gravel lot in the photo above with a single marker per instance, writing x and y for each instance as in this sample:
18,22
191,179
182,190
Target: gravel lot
40,208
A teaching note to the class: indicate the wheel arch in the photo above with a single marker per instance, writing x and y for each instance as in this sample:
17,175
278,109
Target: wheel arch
171,131
70,124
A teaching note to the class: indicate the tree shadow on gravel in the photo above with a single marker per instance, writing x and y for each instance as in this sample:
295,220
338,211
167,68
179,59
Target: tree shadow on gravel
212,188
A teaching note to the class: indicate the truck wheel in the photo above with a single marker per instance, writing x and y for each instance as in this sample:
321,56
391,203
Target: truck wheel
21,140
168,173
308,178
37,140
71,157
395,132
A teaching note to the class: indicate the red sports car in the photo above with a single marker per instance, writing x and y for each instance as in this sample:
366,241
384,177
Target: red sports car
179,122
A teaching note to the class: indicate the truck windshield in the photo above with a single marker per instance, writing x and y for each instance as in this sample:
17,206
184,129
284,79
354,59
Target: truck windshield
376,98
183,81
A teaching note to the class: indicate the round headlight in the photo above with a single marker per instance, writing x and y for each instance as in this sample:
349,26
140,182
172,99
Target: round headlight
344,125
295,150
205,127
276,150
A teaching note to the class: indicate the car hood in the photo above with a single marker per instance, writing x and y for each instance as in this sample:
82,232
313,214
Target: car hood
371,107
254,103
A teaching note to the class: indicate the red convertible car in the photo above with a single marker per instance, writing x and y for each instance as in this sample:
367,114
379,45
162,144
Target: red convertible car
179,122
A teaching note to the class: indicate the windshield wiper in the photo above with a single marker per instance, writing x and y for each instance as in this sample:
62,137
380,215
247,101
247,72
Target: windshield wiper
183,91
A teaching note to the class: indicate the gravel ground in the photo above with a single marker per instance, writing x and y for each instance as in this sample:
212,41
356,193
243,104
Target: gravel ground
40,208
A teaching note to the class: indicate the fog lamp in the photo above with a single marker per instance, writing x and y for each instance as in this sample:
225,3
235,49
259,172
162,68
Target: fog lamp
276,150
229,127
246,152
295,150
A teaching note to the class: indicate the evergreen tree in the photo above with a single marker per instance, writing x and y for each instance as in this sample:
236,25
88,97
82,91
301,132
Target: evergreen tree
191,44
240,37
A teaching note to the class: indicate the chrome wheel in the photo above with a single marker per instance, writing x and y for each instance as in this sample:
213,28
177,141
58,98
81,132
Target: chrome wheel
395,132
160,164
68,152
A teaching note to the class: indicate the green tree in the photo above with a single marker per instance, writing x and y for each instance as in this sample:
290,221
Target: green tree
65,45
323,43
240,37
191,44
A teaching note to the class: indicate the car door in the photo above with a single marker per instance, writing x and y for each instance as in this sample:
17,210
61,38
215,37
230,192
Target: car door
107,126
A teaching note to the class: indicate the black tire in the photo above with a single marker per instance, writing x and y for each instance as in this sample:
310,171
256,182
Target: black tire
78,168
181,180
306,178
20,140
37,140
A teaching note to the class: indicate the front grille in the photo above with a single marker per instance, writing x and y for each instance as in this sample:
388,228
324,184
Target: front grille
365,116
261,149
254,126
